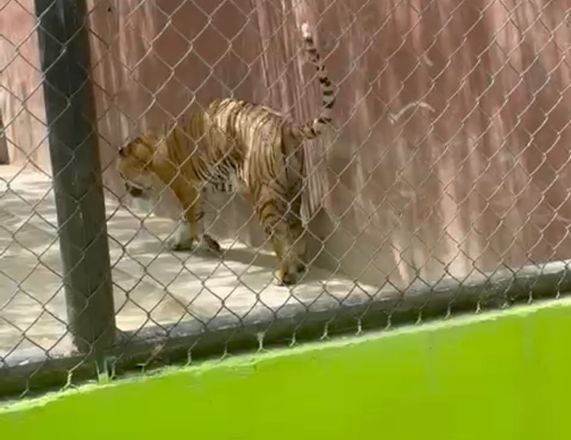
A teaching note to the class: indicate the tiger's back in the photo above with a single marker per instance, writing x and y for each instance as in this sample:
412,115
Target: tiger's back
259,135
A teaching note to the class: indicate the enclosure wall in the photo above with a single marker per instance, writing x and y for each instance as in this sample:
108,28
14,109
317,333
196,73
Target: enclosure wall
495,377
450,154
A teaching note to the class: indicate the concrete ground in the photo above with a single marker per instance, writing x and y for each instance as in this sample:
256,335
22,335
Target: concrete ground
151,285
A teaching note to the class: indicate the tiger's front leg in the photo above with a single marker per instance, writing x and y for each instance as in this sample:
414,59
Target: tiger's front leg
185,239
182,239
189,233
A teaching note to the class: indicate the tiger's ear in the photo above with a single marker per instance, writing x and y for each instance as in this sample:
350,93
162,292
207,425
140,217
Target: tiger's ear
141,149
127,148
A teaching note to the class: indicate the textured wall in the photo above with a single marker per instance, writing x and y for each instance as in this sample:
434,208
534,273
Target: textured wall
451,148
21,95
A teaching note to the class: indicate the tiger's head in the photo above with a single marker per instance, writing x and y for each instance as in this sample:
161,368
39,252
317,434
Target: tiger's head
135,167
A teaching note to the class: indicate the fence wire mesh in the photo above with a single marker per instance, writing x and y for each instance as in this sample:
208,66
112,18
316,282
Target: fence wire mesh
441,187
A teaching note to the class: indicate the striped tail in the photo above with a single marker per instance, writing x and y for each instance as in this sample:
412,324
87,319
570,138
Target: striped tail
313,129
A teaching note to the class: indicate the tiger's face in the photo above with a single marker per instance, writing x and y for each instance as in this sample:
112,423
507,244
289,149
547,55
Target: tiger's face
134,167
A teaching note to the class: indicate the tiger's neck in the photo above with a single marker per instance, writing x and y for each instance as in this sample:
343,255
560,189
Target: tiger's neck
162,164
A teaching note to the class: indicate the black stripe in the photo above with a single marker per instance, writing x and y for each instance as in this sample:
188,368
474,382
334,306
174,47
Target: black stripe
268,162
269,205
327,92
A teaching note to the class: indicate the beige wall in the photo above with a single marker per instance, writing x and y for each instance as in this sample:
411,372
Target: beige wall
451,148
21,95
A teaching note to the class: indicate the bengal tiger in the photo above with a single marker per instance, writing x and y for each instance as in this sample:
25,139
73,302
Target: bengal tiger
234,145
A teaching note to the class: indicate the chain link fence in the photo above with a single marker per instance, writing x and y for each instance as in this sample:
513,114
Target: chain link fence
442,188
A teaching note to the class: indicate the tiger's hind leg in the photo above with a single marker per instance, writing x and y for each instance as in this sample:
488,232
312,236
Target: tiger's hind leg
286,273
283,274
285,232
296,234
290,247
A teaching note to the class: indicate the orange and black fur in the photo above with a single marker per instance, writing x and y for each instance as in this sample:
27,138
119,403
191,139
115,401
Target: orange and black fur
235,145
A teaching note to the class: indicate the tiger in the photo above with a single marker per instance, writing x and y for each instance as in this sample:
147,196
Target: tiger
234,146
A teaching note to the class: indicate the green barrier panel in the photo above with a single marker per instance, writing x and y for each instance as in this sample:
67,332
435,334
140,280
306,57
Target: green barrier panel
497,376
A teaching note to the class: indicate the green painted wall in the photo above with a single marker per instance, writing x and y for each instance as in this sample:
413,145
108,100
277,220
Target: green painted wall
504,376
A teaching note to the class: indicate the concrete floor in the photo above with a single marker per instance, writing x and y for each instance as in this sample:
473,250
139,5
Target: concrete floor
150,285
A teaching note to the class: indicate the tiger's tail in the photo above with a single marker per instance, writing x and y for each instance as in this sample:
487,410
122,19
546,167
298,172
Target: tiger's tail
314,128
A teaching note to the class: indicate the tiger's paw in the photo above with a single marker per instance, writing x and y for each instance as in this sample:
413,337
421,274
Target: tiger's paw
183,239
284,278
208,243
211,244
177,245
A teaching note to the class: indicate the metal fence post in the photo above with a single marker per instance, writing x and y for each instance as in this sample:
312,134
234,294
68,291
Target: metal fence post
70,113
